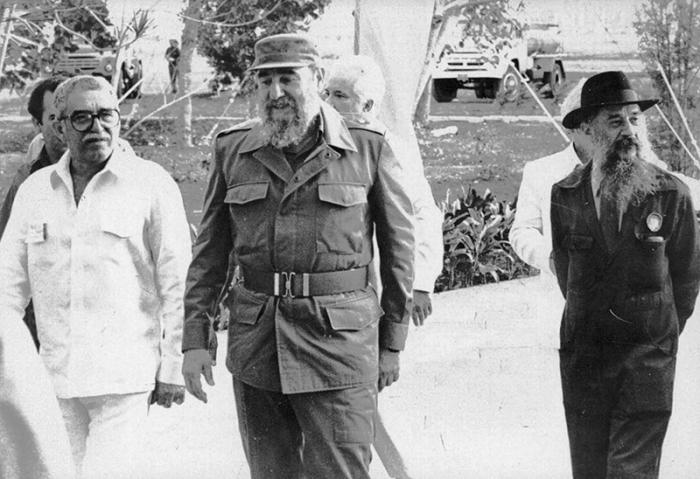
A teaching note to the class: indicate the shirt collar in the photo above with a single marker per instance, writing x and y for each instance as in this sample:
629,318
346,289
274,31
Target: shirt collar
117,165
335,132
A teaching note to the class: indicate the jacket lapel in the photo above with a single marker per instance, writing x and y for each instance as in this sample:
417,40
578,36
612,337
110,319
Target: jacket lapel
274,160
590,215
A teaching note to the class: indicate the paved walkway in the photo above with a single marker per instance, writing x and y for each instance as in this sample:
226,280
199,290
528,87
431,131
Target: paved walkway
478,398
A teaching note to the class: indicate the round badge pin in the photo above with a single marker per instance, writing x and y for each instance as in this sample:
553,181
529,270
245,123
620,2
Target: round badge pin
654,221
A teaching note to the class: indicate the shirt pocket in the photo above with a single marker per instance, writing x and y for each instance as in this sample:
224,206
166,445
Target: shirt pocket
43,240
248,209
120,225
119,246
650,267
341,222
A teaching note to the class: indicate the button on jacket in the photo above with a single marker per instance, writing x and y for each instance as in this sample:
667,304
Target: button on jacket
319,218
106,277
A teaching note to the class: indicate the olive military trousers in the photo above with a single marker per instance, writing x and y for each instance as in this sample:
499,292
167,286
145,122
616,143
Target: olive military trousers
617,403
315,435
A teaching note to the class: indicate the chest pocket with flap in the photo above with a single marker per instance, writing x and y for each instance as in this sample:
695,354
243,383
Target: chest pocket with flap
249,214
342,217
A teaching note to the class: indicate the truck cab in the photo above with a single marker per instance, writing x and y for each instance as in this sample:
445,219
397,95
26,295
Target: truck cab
88,60
496,69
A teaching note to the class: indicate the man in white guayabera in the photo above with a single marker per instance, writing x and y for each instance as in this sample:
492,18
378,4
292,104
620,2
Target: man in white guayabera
101,244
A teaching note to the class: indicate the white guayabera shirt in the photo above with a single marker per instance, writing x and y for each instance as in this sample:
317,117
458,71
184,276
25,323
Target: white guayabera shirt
107,276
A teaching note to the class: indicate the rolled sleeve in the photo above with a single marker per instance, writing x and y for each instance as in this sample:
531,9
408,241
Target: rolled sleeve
393,213
428,232
207,272
14,278
171,249
526,235
427,216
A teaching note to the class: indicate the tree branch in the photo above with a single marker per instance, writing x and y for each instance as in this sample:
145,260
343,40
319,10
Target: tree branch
236,25
73,32
96,17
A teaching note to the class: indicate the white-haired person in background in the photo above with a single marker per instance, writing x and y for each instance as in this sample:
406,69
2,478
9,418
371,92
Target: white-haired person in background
355,88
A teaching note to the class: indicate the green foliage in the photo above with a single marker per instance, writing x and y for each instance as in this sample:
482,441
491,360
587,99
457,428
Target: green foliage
230,30
669,35
87,17
475,234
494,22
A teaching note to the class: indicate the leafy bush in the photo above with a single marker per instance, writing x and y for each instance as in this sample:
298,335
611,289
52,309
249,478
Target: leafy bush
475,234
667,31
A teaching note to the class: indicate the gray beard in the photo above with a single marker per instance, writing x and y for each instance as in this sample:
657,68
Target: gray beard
627,177
287,131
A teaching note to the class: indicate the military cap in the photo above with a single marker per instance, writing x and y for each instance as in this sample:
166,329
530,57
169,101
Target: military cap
285,50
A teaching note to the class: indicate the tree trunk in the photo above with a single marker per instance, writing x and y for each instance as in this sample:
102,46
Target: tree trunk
184,80
441,20
6,16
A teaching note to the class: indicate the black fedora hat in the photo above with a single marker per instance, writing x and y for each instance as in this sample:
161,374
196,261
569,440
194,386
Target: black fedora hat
605,89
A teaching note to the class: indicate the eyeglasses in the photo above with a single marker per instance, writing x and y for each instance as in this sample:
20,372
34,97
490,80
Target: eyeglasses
82,121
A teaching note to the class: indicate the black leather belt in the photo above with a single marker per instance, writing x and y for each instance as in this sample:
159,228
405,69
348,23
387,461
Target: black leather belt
291,284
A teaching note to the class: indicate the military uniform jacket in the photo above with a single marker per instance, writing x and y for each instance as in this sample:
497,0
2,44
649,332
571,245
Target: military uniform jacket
641,290
264,216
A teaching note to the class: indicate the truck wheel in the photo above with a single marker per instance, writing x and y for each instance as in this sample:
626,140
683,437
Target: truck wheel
556,79
509,88
490,88
444,90
480,90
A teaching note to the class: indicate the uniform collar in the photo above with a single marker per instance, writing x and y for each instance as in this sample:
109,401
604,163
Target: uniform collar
335,132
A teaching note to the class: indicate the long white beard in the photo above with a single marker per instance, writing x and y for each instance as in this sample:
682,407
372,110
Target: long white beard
627,177
282,130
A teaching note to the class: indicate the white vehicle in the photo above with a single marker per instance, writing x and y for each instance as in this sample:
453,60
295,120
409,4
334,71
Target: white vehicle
495,70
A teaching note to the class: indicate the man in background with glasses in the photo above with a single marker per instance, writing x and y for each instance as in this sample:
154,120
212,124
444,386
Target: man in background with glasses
101,243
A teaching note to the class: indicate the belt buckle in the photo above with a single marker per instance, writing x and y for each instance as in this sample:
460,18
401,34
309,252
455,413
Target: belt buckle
287,277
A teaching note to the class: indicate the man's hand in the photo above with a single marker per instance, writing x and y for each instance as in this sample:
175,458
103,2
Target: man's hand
196,362
165,394
422,307
388,368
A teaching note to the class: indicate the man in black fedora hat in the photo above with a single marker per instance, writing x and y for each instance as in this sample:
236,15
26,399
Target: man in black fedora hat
627,259
294,198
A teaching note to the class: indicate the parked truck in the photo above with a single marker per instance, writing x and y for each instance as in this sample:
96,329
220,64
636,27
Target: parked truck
88,60
494,70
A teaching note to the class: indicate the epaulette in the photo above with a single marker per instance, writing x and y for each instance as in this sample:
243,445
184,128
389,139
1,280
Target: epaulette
243,126
374,126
